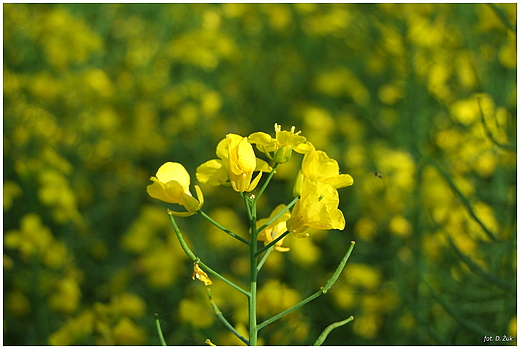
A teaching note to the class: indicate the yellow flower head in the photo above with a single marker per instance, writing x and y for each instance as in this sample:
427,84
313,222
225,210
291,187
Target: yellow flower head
172,184
317,208
318,167
236,163
281,146
275,229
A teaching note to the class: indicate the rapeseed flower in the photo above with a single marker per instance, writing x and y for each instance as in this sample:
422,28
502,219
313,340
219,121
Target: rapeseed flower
318,167
317,208
236,164
281,146
275,229
172,184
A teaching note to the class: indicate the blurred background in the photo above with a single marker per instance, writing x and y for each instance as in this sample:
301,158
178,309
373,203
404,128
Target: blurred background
98,96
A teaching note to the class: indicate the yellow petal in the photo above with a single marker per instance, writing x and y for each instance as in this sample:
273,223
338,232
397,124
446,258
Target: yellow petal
246,158
173,171
261,138
212,172
201,275
341,181
158,190
254,183
222,148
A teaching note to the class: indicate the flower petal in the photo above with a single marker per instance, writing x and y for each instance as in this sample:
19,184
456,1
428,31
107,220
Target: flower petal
199,274
212,172
173,171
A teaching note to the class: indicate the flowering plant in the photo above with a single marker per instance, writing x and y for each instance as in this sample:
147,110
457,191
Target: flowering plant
315,205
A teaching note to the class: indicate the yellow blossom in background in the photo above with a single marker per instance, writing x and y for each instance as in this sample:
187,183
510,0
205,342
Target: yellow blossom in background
32,238
67,296
195,313
172,184
275,296
275,229
362,275
228,338
74,330
365,228
17,303
126,332
305,251
161,265
128,304
57,255
281,146
513,328
11,192
399,225
366,326
344,296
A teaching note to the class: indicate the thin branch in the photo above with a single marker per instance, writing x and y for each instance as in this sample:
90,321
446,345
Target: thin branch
272,243
291,204
322,290
264,258
218,313
159,331
212,221
197,260
329,329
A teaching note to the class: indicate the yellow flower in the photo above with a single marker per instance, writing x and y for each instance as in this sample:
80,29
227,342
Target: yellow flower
317,208
236,163
172,184
281,146
318,167
275,229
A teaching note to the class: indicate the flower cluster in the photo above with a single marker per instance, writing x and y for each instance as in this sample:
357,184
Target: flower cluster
237,166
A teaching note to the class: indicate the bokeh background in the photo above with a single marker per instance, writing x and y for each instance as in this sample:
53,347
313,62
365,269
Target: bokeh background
98,96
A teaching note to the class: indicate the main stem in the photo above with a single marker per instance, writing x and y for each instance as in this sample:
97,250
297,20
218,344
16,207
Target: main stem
253,273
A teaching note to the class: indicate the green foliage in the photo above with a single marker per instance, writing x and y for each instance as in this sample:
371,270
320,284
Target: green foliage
98,96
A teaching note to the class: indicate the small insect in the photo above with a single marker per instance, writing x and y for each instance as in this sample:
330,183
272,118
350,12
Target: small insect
377,174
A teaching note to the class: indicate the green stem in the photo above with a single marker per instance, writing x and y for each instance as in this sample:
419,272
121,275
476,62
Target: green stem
285,312
247,203
264,258
253,275
203,214
315,295
262,189
196,259
159,331
272,243
329,329
339,269
218,313
291,204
